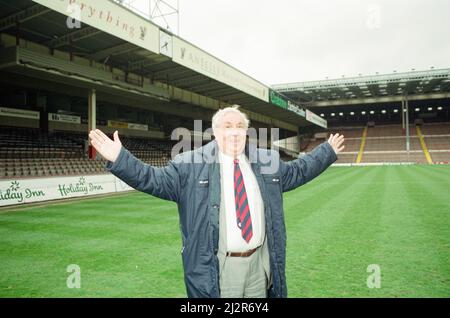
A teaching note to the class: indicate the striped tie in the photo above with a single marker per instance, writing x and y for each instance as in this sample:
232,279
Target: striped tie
243,218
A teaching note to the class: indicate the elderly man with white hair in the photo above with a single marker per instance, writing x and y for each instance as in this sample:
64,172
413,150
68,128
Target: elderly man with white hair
230,204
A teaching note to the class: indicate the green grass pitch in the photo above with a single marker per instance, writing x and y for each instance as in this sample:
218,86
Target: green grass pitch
397,217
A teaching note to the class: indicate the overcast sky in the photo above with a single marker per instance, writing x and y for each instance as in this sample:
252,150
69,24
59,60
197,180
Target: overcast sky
281,41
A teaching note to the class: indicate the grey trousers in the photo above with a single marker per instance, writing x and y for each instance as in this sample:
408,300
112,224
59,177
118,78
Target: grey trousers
243,277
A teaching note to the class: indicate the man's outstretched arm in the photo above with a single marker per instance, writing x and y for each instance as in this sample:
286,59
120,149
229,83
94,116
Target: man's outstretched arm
161,182
302,170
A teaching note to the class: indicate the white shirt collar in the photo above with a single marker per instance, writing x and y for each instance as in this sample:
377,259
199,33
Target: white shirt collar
227,159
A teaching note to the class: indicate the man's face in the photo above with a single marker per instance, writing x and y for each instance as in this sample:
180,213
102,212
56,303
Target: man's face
231,134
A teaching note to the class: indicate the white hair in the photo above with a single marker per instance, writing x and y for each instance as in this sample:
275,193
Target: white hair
232,109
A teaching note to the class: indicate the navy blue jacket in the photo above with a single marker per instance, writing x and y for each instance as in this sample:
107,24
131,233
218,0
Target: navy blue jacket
192,180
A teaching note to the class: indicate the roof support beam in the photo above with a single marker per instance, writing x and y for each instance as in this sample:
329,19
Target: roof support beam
74,36
22,16
140,64
111,51
165,71
221,91
190,78
384,99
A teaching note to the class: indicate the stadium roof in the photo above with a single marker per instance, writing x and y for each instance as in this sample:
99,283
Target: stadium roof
117,37
417,85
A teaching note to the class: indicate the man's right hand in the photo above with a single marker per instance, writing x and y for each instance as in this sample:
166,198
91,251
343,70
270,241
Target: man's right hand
108,148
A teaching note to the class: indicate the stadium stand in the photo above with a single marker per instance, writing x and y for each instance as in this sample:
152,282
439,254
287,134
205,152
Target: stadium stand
387,143
28,152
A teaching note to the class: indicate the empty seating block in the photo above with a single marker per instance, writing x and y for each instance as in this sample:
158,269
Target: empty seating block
415,157
33,153
387,143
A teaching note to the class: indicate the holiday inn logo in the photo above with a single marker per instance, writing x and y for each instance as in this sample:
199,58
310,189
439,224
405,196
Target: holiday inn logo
14,192
81,187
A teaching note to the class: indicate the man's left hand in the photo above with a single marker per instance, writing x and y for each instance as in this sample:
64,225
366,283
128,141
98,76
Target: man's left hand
336,142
